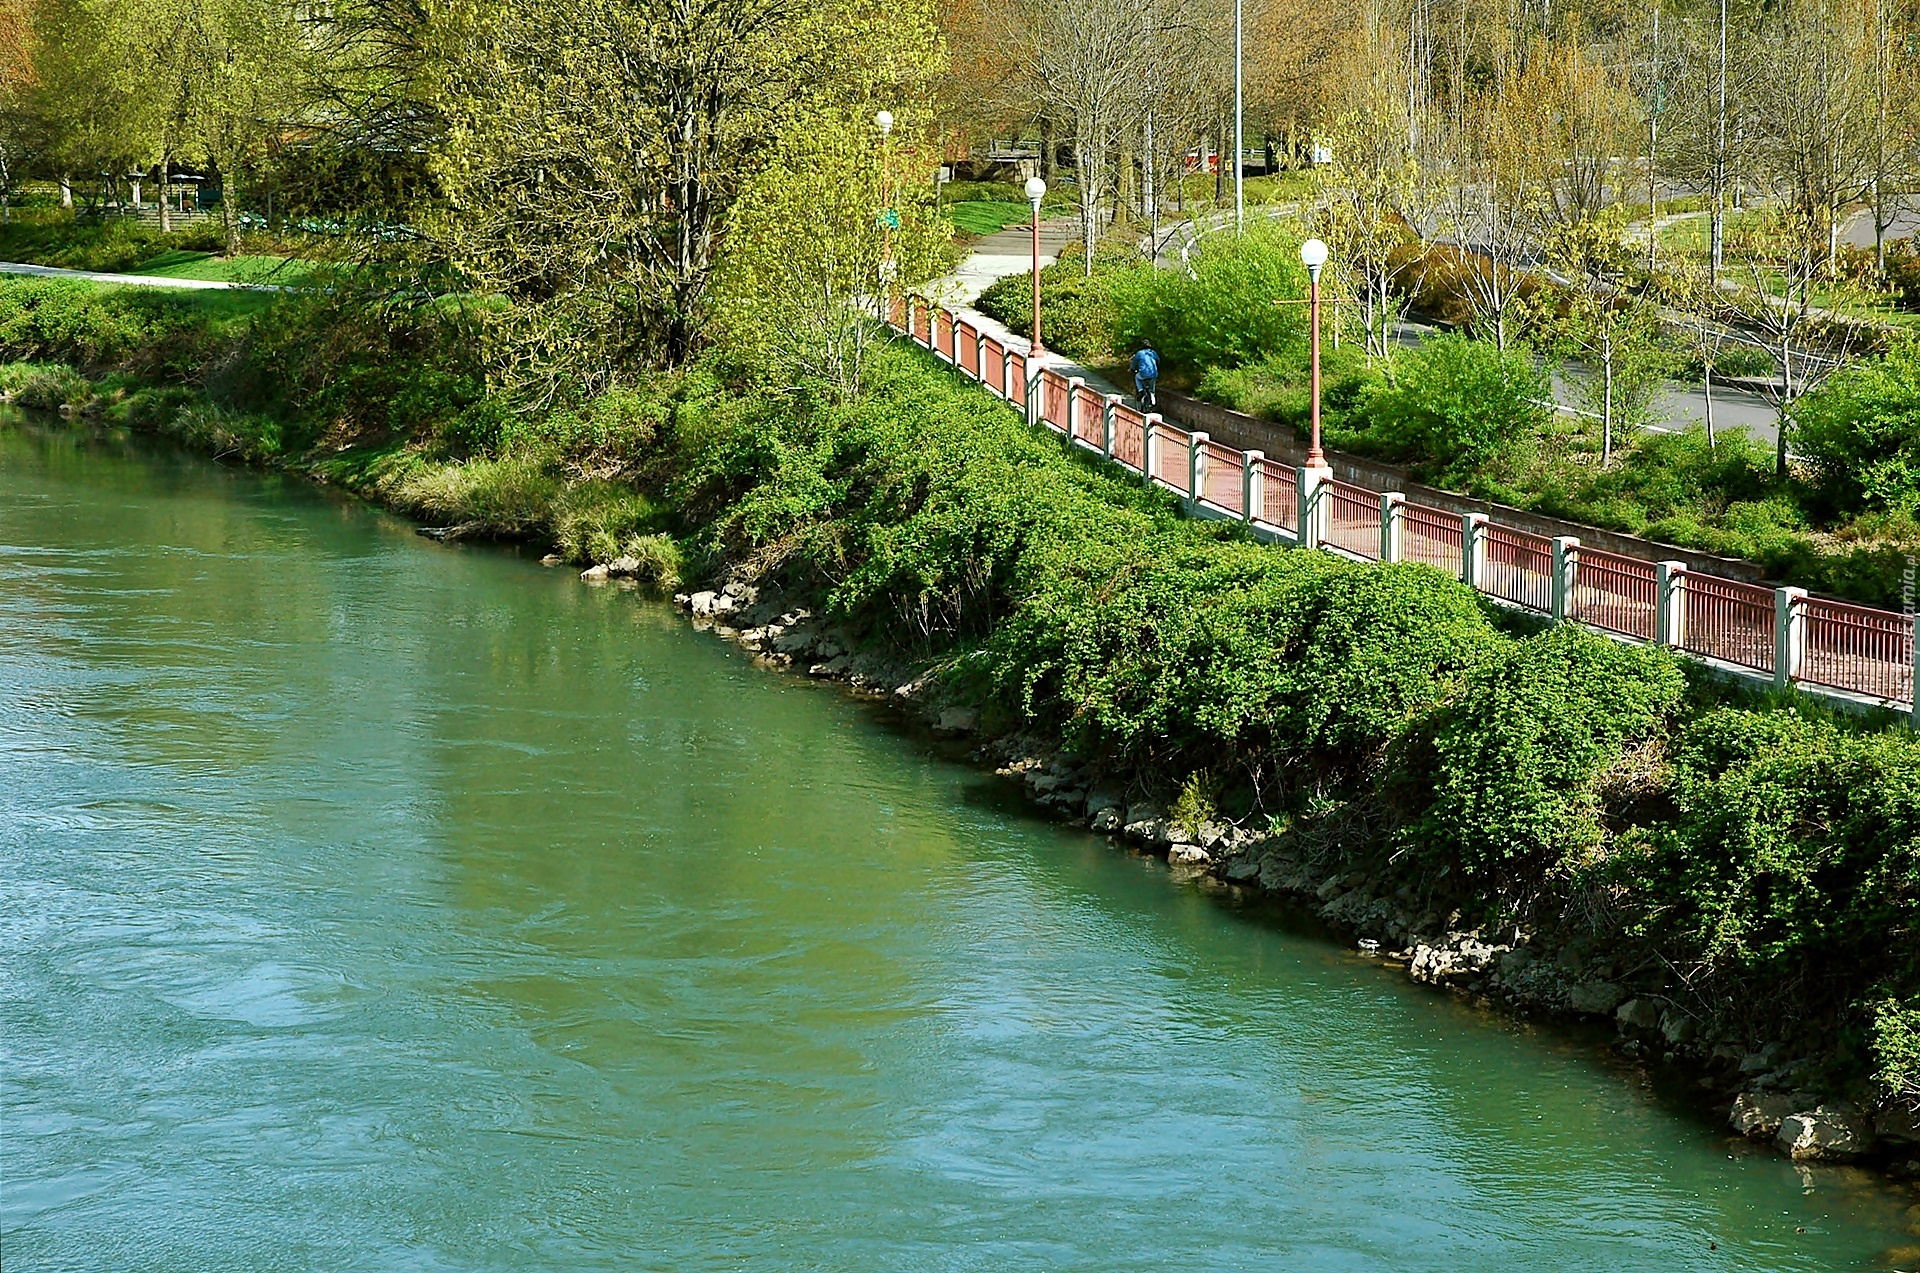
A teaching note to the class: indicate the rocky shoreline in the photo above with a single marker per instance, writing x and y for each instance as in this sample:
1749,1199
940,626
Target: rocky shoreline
1760,1087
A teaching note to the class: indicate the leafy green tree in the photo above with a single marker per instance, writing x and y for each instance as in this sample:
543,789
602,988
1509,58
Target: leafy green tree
1222,313
1606,325
805,251
593,151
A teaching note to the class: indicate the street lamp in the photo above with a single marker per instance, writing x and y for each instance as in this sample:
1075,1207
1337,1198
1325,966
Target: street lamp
1313,255
1036,191
884,122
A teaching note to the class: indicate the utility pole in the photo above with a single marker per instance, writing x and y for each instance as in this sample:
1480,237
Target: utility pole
1717,221
1239,107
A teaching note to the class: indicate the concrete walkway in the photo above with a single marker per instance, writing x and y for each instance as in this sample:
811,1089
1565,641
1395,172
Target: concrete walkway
132,280
994,257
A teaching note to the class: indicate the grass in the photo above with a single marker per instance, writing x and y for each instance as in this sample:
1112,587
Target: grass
977,217
243,268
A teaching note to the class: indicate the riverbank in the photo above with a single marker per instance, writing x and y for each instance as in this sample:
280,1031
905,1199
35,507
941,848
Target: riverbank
1538,818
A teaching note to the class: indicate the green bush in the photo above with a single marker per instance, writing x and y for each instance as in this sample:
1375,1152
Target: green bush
1075,317
1860,432
116,245
1519,763
1223,313
1458,406
43,386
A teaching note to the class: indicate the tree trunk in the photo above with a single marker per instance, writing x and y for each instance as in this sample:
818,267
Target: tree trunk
66,192
1606,409
230,209
165,188
1711,447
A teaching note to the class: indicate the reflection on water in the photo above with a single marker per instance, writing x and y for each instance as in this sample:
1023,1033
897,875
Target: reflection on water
372,903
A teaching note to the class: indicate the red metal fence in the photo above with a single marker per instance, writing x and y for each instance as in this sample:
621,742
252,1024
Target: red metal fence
1729,620
1352,519
1615,593
1837,646
1517,566
1848,647
1433,536
1225,479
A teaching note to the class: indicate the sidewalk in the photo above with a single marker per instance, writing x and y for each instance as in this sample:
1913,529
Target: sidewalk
132,280
992,258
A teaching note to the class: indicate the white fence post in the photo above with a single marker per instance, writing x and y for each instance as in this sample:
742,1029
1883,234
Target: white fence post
1074,385
1307,485
1393,526
1566,576
1035,375
1473,548
1149,448
1670,600
1106,424
1006,373
1196,466
1253,485
1789,634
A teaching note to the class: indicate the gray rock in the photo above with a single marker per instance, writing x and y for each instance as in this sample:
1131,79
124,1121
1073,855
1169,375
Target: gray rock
1516,961
1830,1133
1759,1114
624,567
553,559
1638,1014
1242,867
1899,1124
1597,997
1758,1062
1100,798
1678,1028
702,602
1151,830
1106,820
594,574
1188,855
958,720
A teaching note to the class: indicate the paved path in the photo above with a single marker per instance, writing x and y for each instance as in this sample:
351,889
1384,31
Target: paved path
131,280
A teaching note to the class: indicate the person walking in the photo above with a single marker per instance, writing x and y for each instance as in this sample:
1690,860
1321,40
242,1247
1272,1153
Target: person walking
1146,376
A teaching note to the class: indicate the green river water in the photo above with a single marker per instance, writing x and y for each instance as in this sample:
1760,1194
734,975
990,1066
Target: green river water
374,904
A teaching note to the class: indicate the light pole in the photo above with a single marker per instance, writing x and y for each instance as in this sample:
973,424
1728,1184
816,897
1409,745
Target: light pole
884,122
1036,191
1239,98
1313,255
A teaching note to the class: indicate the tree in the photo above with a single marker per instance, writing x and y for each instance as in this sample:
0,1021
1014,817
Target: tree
1772,309
594,149
1615,332
803,250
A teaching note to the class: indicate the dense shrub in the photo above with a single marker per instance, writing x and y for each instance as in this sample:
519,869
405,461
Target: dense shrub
1458,406
1222,313
155,332
1860,432
116,245
1519,763
1075,315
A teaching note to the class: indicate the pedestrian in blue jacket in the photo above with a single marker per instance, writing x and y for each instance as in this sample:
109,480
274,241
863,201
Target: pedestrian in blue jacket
1146,375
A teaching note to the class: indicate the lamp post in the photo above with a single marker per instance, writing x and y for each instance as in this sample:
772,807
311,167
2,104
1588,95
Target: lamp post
884,122
1239,102
1313,255
1036,191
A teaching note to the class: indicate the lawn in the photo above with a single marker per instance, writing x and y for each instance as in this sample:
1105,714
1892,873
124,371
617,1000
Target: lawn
277,270
976,217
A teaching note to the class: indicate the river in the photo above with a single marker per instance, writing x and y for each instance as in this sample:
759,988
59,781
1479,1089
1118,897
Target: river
377,904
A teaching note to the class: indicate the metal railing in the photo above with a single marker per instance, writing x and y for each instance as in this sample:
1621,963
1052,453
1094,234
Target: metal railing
1781,634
